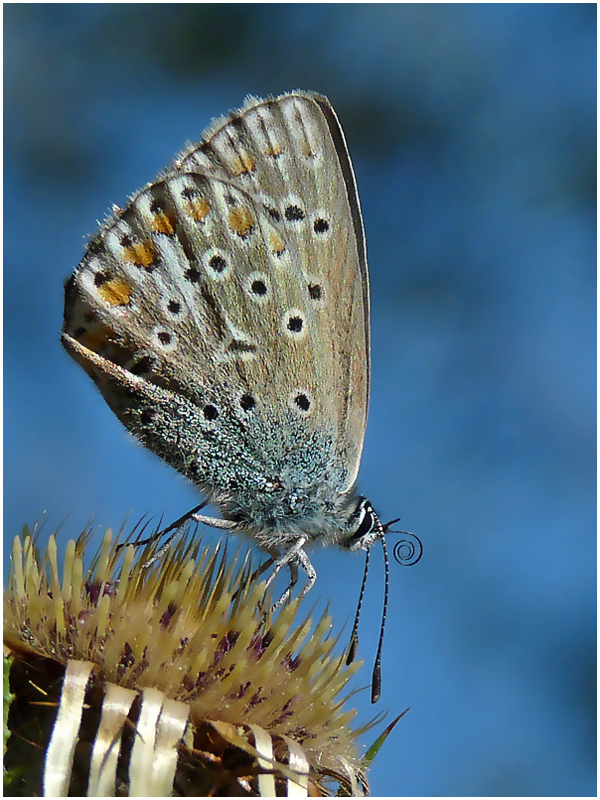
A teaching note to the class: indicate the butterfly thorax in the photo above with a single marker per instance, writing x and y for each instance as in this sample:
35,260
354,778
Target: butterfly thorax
278,516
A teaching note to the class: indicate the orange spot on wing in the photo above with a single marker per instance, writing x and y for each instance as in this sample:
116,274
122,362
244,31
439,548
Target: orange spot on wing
116,292
95,339
198,208
274,151
276,242
142,254
241,221
164,222
241,163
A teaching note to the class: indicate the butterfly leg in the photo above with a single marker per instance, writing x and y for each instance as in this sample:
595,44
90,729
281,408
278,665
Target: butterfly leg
214,522
294,557
291,557
311,573
293,566
175,527
287,557
301,559
298,558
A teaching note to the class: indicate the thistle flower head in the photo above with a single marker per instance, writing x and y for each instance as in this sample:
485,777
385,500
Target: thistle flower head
172,677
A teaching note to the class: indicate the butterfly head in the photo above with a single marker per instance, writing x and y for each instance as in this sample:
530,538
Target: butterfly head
364,527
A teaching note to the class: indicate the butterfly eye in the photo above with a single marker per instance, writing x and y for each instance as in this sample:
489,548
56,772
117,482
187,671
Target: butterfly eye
364,523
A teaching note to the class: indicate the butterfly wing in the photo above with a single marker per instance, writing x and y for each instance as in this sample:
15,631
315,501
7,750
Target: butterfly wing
228,302
291,155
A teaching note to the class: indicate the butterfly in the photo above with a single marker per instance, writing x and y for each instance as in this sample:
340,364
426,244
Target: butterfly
224,316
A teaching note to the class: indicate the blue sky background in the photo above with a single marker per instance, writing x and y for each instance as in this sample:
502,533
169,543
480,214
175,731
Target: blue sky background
472,130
